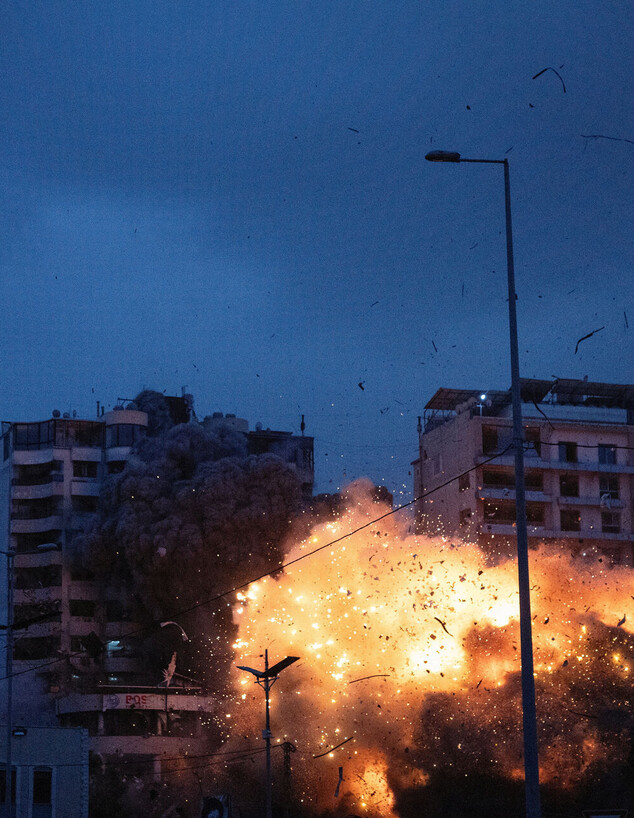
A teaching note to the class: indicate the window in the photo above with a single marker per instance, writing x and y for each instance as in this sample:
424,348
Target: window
570,519
3,787
465,516
607,454
567,452
37,509
535,513
533,443
123,434
492,479
610,522
116,466
32,436
83,504
42,792
43,576
608,487
463,482
39,647
500,512
489,439
569,485
534,481
81,607
84,468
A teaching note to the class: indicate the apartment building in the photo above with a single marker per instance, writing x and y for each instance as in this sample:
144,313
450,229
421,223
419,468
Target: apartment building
579,466
71,665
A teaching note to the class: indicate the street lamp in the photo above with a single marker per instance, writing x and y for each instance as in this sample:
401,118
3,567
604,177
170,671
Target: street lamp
9,674
266,679
531,761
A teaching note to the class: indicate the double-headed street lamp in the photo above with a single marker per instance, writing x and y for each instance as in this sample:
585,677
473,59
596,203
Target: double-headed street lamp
531,761
266,679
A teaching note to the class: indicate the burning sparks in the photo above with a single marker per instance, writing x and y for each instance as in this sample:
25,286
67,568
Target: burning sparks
410,650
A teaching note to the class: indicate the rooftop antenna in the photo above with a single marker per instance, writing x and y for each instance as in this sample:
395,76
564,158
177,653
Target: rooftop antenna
302,426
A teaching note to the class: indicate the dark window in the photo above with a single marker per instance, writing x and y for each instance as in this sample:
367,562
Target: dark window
607,454
30,542
6,445
610,522
33,613
116,466
489,439
36,509
533,444
79,573
84,468
534,481
39,647
83,504
81,607
569,485
32,436
570,519
123,434
463,482
535,513
498,479
567,452
501,512
44,576
465,516
3,786
42,792
608,487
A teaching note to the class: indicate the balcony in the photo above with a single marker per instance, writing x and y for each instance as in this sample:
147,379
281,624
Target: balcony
592,500
21,526
37,491
498,493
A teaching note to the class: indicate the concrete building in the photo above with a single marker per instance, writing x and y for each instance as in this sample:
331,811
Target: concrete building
49,772
579,464
70,666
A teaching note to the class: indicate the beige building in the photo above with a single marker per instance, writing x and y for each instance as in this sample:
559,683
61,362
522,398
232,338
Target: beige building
579,466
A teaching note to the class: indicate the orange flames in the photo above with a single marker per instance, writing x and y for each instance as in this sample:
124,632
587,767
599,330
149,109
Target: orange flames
410,658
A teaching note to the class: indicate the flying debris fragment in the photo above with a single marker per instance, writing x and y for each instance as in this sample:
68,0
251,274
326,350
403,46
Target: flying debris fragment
589,335
548,68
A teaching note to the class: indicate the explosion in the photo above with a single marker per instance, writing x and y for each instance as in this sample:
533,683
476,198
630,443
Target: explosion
410,663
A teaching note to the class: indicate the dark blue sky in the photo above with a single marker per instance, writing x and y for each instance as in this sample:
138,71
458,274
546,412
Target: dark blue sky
233,197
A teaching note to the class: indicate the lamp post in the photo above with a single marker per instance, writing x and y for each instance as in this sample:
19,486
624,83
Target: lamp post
531,761
9,674
266,679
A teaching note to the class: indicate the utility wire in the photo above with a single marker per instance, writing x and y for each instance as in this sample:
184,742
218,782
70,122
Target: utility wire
273,571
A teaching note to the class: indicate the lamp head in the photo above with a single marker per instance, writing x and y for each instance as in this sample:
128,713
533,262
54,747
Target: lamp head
442,156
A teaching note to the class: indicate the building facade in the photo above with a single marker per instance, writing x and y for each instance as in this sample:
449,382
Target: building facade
579,466
70,665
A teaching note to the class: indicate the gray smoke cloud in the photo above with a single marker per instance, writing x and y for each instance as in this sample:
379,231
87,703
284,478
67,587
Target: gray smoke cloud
191,516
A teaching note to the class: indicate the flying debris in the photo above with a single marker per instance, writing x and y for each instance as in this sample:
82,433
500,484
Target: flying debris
353,129
548,68
339,782
621,621
589,335
601,136
361,386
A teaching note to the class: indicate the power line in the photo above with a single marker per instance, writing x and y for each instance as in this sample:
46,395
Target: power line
273,571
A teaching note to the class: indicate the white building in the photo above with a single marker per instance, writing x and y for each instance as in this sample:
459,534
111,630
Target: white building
579,465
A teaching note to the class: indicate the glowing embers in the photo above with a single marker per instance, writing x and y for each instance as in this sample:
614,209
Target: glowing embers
416,645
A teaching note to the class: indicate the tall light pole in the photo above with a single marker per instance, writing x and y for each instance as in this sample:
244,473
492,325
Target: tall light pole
9,674
531,759
266,679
